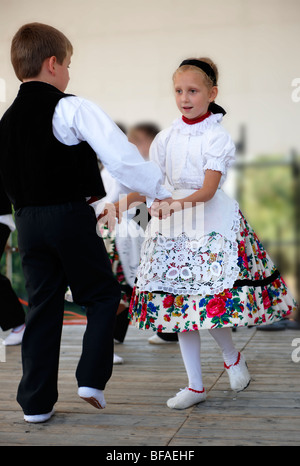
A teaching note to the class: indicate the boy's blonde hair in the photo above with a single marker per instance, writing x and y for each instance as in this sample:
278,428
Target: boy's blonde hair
32,44
207,80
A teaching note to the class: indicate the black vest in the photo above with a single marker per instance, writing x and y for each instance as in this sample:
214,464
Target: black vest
36,168
5,204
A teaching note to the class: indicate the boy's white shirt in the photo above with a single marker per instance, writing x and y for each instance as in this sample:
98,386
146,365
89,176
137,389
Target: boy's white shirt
76,119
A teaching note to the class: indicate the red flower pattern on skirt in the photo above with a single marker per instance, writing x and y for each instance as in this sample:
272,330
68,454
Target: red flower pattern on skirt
215,307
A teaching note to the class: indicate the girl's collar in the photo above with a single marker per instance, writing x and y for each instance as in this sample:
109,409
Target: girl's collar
193,121
197,128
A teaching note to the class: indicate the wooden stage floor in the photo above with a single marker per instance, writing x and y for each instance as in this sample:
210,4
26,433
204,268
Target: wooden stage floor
267,413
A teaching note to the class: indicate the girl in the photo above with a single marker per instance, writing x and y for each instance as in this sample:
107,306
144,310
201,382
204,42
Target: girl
203,267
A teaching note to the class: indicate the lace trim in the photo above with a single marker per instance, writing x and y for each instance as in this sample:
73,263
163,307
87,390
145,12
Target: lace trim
215,164
183,265
197,128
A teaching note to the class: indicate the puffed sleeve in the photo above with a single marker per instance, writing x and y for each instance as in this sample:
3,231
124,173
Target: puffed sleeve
219,150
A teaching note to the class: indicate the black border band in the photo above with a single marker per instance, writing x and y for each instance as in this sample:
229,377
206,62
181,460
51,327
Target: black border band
255,283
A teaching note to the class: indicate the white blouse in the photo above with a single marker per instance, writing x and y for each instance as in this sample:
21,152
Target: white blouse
184,152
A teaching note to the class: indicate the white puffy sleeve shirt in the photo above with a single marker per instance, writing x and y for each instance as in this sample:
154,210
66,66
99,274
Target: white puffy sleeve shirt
76,119
184,152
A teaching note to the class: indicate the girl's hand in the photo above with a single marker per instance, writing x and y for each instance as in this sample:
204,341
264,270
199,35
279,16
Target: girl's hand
165,208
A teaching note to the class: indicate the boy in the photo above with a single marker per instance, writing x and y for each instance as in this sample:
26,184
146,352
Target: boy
48,165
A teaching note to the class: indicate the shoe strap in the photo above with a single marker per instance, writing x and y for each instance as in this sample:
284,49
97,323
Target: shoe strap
235,364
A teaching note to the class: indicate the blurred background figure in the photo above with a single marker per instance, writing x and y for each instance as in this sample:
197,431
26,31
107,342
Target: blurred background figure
12,315
142,135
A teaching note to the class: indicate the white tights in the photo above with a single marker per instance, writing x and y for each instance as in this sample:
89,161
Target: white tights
190,346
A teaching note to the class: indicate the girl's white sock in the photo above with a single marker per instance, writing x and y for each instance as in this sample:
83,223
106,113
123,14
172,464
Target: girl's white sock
190,346
223,337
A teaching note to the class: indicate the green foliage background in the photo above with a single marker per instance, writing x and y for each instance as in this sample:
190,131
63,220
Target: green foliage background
268,202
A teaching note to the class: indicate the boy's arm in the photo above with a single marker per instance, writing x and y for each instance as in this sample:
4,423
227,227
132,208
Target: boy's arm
77,120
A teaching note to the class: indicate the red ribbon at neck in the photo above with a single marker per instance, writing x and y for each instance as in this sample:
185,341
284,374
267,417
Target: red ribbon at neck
193,121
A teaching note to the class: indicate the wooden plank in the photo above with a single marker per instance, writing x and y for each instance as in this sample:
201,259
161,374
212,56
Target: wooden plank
267,413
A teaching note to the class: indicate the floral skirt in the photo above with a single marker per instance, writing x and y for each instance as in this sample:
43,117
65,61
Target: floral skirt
259,296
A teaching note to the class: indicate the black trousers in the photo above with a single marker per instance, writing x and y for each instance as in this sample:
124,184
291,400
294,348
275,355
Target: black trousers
59,246
122,320
11,310
121,327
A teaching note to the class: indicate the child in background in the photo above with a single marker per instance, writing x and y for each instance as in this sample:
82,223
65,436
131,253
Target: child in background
141,135
12,315
50,142
203,267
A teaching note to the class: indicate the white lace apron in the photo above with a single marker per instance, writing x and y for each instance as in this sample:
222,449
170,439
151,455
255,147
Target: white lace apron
194,251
